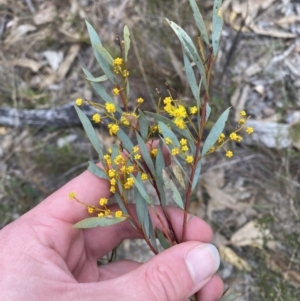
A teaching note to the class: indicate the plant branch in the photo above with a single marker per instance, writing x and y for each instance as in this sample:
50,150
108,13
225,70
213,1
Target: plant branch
138,226
198,147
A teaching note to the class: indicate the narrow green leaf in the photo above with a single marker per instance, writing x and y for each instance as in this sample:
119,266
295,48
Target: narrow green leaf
97,171
104,53
189,48
114,154
176,160
191,77
197,175
127,41
195,57
162,194
142,211
139,185
126,141
169,184
145,153
121,190
145,224
185,133
199,21
93,222
217,24
118,199
199,106
192,147
93,34
168,133
96,40
159,160
144,125
101,91
215,132
178,174
159,166
99,79
127,88
152,235
207,112
90,131
141,206
231,297
163,241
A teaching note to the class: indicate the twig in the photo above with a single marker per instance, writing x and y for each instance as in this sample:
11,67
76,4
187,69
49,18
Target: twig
2,25
30,6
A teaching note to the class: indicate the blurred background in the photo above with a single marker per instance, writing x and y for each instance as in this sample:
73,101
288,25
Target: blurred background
252,200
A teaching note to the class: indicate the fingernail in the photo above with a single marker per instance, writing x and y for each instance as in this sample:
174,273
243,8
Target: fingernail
202,261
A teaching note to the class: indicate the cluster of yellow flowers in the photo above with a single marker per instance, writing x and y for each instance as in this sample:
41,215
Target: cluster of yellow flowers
109,109
119,68
136,155
103,211
118,63
121,169
180,151
177,111
124,169
222,140
126,119
113,128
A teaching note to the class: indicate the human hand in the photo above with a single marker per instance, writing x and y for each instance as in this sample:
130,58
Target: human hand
43,258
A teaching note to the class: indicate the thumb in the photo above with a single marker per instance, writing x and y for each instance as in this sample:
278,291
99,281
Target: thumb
174,275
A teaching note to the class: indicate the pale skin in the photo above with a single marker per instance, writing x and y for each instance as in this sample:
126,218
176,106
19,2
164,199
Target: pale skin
43,258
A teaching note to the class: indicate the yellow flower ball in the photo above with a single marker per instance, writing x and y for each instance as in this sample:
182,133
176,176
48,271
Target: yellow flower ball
79,102
183,142
175,151
116,91
103,201
110,107
129,169
118,214
90,209
249,130
118,61
193,110
137,157
135,149
189,159
96,118
144,176
154,152
168,141
113,129
111,173
72,195
167,100
129,183
229,154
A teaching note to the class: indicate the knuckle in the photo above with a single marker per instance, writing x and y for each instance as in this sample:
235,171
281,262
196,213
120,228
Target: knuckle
161,282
